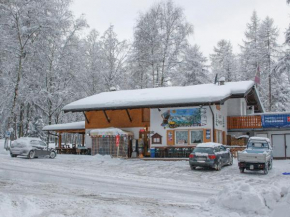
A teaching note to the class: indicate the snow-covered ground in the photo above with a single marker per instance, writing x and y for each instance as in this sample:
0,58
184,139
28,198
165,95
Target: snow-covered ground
72,185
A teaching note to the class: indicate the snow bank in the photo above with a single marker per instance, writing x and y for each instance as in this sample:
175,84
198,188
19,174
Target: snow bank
246,199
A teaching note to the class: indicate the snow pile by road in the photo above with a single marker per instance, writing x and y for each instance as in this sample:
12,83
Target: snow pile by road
243,198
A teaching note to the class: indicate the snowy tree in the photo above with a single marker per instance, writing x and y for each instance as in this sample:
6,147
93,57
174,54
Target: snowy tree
223,61
269,51
250,55
193,69
160,36
114,54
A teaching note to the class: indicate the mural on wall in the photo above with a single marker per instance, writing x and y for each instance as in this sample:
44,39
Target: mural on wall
184,118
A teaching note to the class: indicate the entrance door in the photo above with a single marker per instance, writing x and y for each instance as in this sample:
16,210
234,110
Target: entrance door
278,142
288,145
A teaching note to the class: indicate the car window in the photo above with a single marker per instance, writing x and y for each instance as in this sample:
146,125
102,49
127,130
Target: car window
203,150
257,145
217,149
38,143
223,148
42,143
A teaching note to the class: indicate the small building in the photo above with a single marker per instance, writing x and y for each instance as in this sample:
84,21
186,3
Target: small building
70,136
180,116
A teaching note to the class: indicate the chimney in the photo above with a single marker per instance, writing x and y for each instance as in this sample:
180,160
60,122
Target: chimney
222,81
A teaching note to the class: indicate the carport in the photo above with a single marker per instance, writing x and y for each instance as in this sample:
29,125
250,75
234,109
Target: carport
71,137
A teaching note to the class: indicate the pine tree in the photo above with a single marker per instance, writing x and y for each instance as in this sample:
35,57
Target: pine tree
223,61
269,51
193,69
250,55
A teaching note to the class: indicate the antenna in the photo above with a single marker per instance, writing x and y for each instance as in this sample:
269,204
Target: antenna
215,79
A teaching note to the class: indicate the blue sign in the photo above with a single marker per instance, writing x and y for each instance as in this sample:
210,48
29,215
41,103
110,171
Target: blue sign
276,121
207,134
286,173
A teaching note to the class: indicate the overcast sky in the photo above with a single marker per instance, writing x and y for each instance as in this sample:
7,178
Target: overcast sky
213,20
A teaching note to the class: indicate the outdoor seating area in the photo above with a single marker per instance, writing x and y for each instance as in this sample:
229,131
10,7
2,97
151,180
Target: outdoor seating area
80,150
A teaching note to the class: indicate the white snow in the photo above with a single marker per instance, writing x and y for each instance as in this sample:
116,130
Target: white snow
260,139
111,131
68,126
78,185
208,145
203,93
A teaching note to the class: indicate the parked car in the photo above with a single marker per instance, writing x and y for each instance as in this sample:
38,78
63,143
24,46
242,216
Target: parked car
257,156
31,148
212,155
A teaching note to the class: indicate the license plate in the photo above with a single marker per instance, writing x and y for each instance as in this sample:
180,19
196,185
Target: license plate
201,159
251,167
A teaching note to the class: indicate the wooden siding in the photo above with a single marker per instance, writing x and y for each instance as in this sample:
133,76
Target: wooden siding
118,118
244,122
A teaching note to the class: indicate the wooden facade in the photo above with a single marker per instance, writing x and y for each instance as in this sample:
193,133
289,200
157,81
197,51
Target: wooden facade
118,118
245,122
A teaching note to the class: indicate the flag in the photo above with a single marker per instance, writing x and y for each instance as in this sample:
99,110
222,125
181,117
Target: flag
257,77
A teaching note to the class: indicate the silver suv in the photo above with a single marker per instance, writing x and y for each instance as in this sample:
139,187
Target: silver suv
31,148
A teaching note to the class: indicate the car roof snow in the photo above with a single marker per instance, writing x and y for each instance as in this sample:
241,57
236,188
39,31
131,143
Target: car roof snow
259,138
208,145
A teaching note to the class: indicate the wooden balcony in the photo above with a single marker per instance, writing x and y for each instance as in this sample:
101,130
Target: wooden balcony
244,122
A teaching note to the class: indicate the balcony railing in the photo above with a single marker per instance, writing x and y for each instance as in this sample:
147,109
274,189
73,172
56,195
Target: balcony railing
245,122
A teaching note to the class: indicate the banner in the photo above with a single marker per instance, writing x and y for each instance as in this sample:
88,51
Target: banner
276,121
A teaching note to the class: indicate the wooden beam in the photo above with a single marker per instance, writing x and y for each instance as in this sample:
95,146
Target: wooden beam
83,140
129,115
86,117
108,119
59,140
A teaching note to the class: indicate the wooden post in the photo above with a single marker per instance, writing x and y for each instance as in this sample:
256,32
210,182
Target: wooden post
83,139
59,140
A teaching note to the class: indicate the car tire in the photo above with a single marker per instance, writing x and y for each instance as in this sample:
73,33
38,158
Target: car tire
31,154
13,155
52,155
242,170
231,160
271,165
218,166
266,170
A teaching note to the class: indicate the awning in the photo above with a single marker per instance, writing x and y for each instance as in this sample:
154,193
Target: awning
108,132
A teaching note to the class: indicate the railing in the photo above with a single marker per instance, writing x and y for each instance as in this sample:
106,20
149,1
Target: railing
245,122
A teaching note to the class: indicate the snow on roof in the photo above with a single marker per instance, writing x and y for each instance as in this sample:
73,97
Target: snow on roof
68,126
259,138
208,145
111,131
162,96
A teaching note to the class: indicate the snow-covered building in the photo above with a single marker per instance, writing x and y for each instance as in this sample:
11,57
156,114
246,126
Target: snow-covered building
176,116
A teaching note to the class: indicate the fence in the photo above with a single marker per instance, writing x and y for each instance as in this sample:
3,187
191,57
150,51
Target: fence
245,122
107,146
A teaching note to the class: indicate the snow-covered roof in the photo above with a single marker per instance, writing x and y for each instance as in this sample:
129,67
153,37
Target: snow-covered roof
208,145
259,138
162,97
68,126
111,131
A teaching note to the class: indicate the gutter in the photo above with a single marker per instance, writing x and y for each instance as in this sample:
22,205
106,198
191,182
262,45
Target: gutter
213,125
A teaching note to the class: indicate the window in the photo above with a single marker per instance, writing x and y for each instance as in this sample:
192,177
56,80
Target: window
223,148
156,139
217,149
219,136
181,137
196,136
